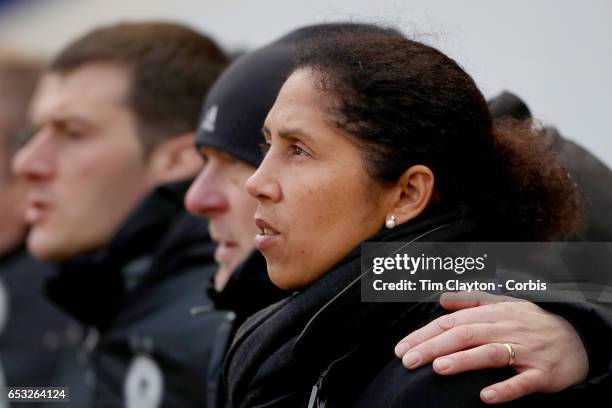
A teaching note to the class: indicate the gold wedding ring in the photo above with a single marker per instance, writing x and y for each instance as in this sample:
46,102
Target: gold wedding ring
512,354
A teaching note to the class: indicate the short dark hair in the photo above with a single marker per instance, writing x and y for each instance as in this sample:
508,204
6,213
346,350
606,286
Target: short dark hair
172,67
405,103
19,74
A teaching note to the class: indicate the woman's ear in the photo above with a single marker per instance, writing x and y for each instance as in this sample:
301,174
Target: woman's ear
413,192
175,159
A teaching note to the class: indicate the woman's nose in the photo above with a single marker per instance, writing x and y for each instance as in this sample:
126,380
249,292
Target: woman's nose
263,185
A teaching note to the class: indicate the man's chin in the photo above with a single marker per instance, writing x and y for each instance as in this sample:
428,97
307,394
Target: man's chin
222,276
47,249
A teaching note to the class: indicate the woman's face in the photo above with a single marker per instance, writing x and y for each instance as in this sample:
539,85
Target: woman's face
316,202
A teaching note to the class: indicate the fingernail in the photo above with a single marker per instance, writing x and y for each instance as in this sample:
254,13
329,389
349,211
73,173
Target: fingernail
411,359
489,394
401,348
443,364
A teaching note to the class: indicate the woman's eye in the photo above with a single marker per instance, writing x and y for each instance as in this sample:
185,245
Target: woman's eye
298,151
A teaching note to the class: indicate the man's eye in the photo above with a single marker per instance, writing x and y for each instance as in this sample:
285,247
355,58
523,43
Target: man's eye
264,146
204,158
73,134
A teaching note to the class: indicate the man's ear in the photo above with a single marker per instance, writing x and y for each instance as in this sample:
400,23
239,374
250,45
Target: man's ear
175,159
412,193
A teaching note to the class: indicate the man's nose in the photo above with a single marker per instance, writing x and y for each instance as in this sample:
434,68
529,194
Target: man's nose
36,159
204,197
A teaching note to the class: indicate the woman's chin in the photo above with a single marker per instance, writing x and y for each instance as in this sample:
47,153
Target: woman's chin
283,280
278,279
297,280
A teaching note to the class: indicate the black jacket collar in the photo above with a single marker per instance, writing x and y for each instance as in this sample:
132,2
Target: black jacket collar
92,287
248,290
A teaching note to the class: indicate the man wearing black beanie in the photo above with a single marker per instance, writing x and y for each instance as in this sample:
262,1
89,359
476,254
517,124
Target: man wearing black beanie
228,139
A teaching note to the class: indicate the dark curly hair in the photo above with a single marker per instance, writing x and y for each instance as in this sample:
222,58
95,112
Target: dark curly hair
405,103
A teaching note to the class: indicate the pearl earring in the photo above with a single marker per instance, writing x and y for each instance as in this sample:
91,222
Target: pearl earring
390,223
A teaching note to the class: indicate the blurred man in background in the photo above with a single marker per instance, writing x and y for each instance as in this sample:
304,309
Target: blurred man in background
107,169
32,329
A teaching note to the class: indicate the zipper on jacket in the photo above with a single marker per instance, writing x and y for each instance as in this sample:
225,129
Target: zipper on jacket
198,310
315,394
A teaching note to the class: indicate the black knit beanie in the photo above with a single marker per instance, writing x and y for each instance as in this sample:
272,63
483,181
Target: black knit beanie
508,105
238,103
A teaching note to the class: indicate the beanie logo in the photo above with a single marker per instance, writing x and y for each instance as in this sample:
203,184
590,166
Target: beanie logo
208,124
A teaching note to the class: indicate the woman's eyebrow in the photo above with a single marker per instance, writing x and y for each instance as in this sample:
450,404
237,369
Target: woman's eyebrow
292,133
289,133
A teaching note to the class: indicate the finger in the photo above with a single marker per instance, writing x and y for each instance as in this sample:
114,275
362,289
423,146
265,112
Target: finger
451,341
492,355
513,388
482,314
462,300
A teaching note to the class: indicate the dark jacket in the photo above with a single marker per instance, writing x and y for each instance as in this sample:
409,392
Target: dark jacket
324,347
38,342
594,181
138,293
248,290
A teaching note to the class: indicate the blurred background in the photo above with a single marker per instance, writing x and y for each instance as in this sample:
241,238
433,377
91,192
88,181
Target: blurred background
556,55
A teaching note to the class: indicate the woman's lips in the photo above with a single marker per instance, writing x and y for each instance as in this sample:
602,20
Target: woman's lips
267,235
